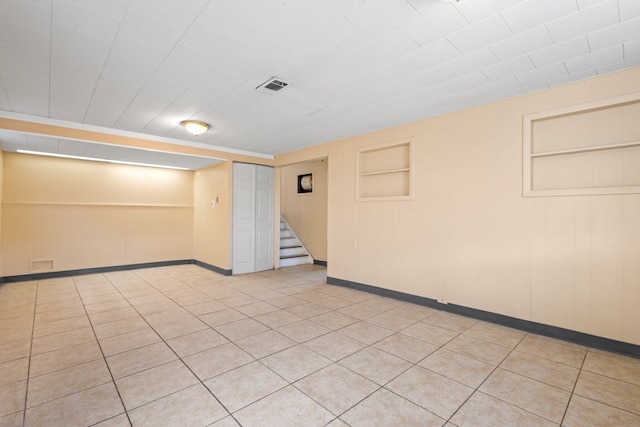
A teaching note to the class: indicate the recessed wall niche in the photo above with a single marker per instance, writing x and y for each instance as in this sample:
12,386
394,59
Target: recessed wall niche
586,149
384,172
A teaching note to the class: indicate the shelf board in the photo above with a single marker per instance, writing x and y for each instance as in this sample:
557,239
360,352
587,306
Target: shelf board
586,149
385,172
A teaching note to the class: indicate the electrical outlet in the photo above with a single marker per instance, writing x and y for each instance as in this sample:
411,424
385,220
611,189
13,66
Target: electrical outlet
441,300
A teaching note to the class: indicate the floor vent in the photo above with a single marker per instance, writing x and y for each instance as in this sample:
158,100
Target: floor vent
38,266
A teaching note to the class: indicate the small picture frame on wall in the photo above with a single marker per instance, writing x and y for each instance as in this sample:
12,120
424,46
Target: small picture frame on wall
305,183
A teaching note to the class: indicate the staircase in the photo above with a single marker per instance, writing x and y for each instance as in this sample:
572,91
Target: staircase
292,251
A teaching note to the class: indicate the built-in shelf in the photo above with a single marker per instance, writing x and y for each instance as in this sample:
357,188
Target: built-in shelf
384,172
587,149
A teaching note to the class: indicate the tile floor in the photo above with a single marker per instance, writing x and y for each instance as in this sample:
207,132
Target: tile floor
182,346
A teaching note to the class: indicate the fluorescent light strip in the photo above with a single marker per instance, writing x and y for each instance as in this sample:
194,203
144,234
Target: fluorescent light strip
93,159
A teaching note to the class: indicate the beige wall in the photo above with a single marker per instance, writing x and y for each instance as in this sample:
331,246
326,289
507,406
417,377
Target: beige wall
306,213
469,237
212,225
83,214
1,200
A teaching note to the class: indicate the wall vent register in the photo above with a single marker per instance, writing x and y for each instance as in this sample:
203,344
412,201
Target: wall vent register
587,149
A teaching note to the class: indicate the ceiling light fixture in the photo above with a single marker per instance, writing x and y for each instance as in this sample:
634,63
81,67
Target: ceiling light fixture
94,159
195,127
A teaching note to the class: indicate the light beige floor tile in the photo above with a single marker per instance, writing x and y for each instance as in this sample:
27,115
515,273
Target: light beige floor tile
64,358
12,397
586,412
167,316
533,396
205,307
225,422
406,347
391,321
216,361
196,342
117,421
334,320
106,306
156,307
149,299
106,296
67,381
130,362
413,311
238,301
241,329
497,334
113,315
58,305
128,341
295,363
541,369
68,313
256,309
265,343
336,388
57,326
303,330
287,407
432,391
119,327
79,409
308,310
450,321
552,350
375,365
359,311
366,332
382,303
14,370
484,410
335,346
429,333
478,349
333,303
12,420
613,392
222,317
458,367
384,408
278,318
62,340
151,384
244,385
193,406
614,366
285,301
14,350
180,327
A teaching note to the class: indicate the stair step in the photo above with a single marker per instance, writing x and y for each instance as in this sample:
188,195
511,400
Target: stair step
290,246
293,256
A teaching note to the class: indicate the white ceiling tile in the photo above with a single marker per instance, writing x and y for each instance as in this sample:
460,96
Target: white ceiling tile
4,98
185,65
71,147
229,17
476,60
522,43
467,81
569,78
390,46
76,65
209,41
133,49
83,21
431,55
627,63
559,52
437,23
176,14
632,49
611,55
614,35
585,21
540,76
113,8
629,9
475,11
533,13
42,143
584,4
483,33
142,27
379,16
509,68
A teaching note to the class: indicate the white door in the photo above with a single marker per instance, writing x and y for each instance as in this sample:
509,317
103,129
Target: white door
252,218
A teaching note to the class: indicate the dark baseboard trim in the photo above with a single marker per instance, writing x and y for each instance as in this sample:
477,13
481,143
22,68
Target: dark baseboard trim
98,270
318,262
500,319
213,268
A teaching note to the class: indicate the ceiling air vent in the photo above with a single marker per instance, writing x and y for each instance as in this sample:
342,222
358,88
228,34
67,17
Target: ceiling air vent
274,84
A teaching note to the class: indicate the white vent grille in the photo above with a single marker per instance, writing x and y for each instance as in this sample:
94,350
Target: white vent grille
274,84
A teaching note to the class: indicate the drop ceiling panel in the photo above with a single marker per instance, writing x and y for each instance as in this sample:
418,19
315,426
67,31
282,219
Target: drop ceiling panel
521,43
509,68
483,33
480,58
113,8
436,23
475,11
175,14
587,62
379,16
532,13
629,9
585,21
83,21
538,78
556,53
